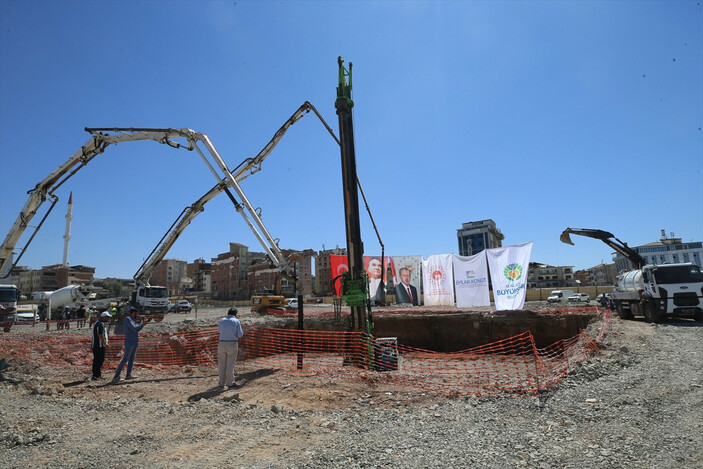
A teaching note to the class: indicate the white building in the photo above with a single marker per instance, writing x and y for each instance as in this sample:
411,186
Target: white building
667,250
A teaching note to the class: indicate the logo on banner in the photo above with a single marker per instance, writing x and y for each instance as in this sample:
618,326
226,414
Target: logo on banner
513,272
470,274
438,275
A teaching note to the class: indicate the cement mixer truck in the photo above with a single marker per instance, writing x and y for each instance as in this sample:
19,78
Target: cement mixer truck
654,291
73,296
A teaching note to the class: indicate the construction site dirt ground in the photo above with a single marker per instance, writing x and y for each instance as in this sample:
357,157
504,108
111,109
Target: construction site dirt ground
176,417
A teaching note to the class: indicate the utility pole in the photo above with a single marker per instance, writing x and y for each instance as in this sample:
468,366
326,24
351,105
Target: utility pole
354,286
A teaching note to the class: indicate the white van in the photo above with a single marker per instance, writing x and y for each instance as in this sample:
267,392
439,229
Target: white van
559,296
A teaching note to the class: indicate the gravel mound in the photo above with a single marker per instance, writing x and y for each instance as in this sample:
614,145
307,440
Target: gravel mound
637,403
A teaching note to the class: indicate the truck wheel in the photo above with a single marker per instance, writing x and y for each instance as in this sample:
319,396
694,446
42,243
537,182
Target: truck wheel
622,312
651,314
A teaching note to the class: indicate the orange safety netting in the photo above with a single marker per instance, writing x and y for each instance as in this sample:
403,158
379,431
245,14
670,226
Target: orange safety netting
509,366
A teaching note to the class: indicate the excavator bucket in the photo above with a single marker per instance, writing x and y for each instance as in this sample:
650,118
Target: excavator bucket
565,238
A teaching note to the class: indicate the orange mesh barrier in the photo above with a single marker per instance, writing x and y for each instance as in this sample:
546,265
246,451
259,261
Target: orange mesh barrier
509,366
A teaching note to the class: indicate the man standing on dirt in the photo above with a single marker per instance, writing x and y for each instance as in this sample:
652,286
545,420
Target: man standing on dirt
230,330
131,342
99,344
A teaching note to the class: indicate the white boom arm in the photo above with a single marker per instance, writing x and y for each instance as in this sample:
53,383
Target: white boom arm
102,138
247,167
96,145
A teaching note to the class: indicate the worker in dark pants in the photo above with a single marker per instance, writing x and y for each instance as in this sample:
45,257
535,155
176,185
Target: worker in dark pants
99,343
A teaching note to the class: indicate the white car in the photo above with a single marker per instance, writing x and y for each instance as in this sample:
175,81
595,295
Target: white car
579,298
292,303
183,306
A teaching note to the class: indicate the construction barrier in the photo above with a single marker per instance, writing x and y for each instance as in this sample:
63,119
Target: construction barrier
512,366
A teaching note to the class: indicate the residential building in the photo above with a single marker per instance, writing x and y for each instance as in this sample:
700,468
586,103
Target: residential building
323,270
602,274
201,273
229,273
31,281
550,276
667,250
262,276
475,236
53,277
301,262
581,277
13,277
168,273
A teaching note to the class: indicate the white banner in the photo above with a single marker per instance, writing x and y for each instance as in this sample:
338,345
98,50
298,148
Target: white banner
509,267
438,280
471,280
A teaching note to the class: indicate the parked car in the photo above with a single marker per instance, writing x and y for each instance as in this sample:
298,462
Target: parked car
183,306
557,296
292,303
171,307
579,298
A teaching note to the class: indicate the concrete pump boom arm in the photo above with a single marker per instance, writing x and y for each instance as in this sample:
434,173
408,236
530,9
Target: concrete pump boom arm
94,146
164,245
608,238
98,142
246,168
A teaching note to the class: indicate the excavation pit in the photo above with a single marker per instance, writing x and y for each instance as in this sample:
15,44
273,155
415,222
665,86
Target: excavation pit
442,331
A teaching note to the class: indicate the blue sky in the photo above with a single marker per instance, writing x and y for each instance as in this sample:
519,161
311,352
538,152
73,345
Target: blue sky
539,115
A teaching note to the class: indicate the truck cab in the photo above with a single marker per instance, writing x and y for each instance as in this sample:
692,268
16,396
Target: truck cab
150,299
675,289
655,291
8,305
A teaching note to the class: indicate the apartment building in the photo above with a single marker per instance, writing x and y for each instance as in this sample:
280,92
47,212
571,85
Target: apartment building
262,276
229,273
53,277
550,276
201,274
323,270
602,274
170,273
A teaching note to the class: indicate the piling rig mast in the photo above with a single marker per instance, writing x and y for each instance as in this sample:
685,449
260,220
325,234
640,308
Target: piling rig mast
354,285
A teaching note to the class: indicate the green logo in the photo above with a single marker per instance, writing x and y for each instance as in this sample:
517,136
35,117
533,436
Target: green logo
513,271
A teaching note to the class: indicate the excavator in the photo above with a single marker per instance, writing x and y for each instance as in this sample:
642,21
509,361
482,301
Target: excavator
609,239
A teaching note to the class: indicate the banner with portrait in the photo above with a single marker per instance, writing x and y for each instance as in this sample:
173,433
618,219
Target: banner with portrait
378,277
438,280
508,266
407,279
471,280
